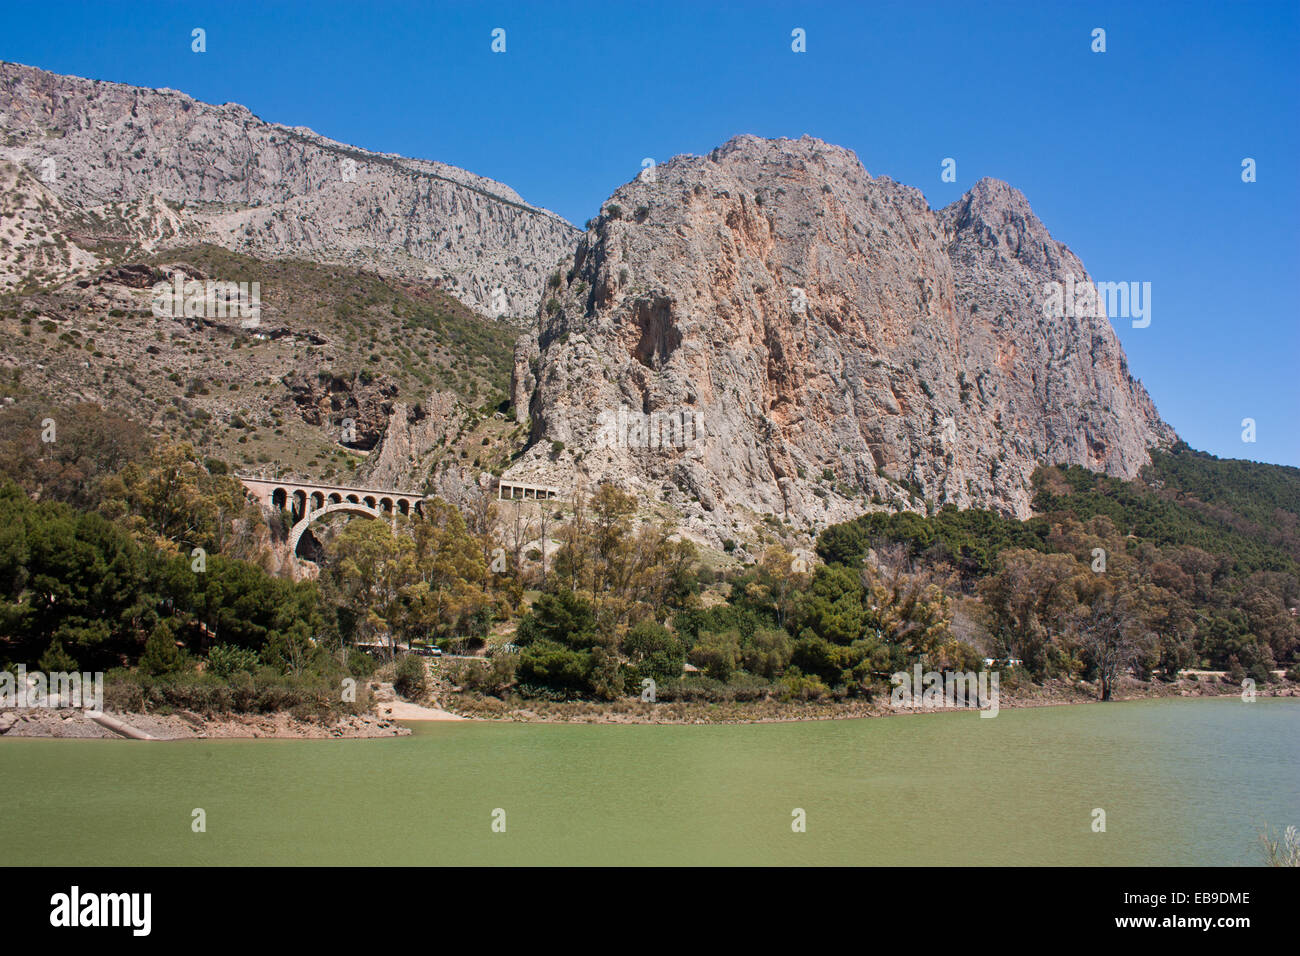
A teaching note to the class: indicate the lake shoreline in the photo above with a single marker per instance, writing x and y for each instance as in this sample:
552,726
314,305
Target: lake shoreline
391,716
1054,693
71,723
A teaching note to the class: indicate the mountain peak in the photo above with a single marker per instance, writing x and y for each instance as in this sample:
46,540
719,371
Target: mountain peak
836,344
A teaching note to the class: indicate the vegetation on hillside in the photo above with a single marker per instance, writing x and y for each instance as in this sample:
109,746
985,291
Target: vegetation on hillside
118,550
332,343
1194,565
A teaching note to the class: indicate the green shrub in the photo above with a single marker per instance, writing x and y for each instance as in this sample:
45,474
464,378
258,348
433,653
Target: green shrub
410,679
161,655
490,676
654,652
1260,674
549,664
796,686
361,664
224,660
561,617
56,659
717,654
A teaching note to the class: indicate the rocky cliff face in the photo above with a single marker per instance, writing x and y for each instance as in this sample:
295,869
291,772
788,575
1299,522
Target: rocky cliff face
273,191
769,330
412,447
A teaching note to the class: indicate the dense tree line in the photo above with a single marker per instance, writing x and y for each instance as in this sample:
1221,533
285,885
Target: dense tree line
627,603
599,628
117,551
81,581
1153,575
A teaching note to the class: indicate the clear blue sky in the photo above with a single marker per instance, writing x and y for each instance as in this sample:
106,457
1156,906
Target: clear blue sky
1131,157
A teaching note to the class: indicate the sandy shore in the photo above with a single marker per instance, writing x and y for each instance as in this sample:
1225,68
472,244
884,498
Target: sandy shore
405,710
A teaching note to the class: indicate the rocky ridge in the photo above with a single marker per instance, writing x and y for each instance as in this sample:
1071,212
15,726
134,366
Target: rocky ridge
219,174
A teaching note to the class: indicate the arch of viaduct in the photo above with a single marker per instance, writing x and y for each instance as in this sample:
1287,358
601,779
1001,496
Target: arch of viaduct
308,501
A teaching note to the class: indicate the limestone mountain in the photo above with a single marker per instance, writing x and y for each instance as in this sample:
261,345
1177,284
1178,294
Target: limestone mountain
770,333
766,334
146,168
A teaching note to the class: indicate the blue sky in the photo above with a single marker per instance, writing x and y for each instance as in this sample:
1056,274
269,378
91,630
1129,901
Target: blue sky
1131,157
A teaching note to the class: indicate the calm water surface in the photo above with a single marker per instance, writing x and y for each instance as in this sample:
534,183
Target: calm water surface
1181,781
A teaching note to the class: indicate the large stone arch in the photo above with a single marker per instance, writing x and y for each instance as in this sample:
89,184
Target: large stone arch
305,501
352,507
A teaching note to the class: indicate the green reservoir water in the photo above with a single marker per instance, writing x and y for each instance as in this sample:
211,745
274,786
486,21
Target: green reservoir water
1181,781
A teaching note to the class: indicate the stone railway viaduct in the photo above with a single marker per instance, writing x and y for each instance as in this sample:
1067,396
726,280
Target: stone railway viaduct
307,501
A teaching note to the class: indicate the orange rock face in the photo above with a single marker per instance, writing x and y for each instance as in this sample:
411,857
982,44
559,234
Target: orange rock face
848,347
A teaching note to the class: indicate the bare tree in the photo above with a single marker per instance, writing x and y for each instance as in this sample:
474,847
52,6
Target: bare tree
545,524
480,518
1110,631
519,530
572,560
